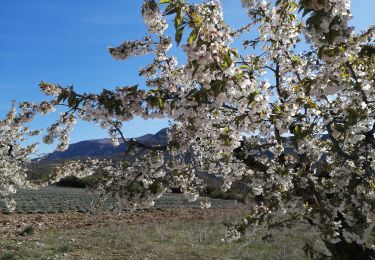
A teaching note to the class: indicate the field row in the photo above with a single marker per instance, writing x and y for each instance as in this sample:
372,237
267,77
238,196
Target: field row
57,200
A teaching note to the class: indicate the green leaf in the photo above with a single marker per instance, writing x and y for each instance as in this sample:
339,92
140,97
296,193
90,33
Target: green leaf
216,87
196,66
227,60
161,103
196,19
197,98
193,35
320,52
227,140
170,9
278,109
239,119
165,1
178,36
235,53
72,101
293,6
178,19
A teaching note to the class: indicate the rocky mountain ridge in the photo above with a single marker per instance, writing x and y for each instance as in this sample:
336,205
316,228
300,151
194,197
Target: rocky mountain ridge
101,148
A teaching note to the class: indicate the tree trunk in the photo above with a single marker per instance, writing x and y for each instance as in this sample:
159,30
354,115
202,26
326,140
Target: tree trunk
349,251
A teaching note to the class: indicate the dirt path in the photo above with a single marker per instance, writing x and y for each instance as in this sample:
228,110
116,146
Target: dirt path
11,225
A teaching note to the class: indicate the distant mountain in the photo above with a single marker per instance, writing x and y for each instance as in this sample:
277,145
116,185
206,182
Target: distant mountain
99,148
103,148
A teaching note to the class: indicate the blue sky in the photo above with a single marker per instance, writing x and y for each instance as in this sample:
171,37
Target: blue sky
66,42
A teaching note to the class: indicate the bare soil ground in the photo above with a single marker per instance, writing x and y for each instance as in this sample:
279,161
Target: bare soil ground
12,225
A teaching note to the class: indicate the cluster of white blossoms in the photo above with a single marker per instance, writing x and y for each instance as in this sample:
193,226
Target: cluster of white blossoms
153,17
60,130
329,21
296,128
13,155
136,183
50,89
130,49
76,168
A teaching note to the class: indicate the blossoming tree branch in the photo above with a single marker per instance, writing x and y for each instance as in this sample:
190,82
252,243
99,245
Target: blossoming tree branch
290,115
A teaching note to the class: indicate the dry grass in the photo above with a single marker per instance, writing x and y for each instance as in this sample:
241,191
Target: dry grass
179,237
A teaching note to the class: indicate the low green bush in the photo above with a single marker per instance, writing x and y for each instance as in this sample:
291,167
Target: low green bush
74,182
27,231
7,256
